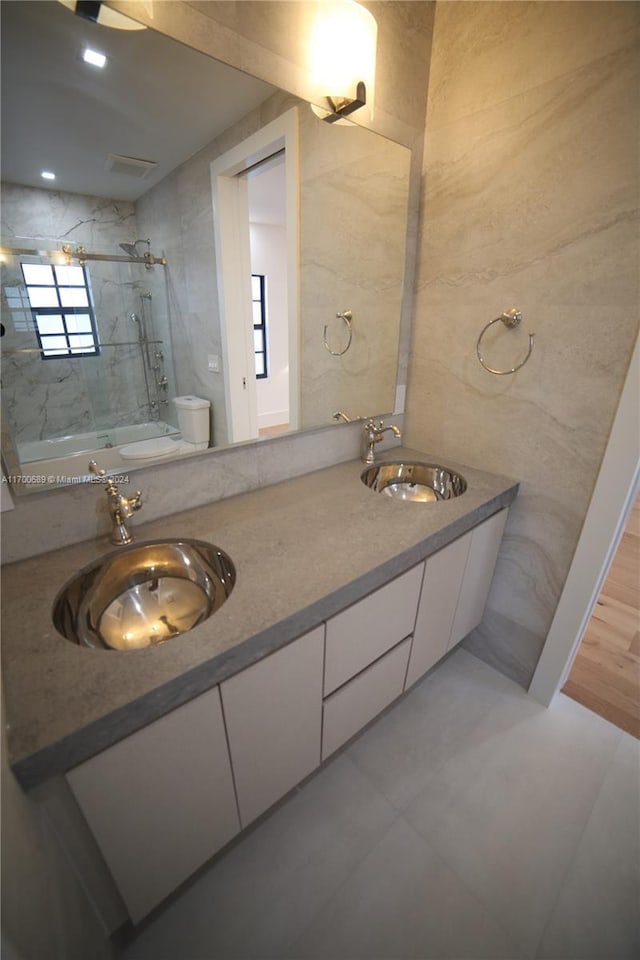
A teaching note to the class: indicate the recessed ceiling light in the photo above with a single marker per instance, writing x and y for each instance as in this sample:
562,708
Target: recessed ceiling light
48,175
94,58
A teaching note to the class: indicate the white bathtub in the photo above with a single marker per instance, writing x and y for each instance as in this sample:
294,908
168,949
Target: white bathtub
68,457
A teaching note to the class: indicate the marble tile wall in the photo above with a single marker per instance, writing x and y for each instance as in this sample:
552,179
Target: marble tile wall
53,398
353,215
530,197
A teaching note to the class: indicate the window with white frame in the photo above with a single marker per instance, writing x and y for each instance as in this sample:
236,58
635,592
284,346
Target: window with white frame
61,309
259,304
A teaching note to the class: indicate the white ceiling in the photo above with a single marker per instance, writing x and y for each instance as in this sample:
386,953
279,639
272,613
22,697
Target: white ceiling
155,100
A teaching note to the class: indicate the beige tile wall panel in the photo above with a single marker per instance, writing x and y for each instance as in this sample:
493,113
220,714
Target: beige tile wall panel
530,197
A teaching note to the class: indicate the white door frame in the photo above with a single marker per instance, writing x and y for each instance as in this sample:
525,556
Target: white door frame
233,260
613,496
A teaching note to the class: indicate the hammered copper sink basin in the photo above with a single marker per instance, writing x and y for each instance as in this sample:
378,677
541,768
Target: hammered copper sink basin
414,481
144,594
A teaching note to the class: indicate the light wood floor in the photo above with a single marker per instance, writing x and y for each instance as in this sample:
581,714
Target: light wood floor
606,673
273,431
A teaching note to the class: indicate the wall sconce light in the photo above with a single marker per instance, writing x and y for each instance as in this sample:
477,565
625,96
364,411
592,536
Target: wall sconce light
97,12
342,57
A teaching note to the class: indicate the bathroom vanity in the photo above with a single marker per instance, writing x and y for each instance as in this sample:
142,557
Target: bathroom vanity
344,599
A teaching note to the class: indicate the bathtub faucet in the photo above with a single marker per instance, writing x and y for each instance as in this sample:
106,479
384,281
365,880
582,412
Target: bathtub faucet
121,508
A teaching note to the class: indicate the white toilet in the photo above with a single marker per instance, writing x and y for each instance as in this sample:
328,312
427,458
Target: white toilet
193,422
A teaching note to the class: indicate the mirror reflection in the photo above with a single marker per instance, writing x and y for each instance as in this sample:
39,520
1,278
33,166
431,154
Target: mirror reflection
212,262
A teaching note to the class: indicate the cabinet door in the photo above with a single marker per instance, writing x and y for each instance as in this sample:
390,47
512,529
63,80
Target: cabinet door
481,562
351,707
273,712
440,590
160,802
362,633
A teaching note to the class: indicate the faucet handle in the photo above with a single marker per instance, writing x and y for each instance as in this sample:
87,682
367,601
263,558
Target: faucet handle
95,469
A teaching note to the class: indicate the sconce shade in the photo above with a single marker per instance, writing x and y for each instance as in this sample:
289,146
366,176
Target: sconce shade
342,56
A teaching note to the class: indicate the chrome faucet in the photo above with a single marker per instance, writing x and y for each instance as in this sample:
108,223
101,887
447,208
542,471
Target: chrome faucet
121,508
372,433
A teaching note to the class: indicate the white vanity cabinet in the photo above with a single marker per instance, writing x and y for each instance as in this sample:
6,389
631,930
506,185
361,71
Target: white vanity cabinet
353,705
478,574
367,650
443,576
161,802
454,593
273,714
363,632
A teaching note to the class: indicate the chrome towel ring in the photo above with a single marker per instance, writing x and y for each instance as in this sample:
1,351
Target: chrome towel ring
510,318
347,316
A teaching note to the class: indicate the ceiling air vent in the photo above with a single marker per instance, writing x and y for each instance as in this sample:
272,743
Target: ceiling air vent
131,166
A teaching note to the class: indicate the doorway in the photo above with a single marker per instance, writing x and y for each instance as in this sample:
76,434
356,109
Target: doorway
243,359
605,676
268,244
614,495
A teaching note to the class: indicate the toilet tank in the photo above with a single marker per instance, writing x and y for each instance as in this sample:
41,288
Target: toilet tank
193,419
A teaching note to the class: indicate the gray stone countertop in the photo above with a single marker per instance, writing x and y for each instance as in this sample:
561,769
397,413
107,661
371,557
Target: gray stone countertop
303,550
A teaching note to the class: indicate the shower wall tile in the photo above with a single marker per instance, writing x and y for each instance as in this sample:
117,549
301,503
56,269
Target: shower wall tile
529,200
52,215
55,398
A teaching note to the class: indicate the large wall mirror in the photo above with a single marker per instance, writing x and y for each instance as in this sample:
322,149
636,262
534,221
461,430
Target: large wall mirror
210,256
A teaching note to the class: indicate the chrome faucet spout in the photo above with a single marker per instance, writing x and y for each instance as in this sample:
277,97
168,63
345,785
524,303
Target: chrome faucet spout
373,433
121,508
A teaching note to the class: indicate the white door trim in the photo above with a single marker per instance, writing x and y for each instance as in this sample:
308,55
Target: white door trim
611,502
233,262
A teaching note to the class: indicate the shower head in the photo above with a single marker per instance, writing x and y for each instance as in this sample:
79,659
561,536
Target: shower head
130,248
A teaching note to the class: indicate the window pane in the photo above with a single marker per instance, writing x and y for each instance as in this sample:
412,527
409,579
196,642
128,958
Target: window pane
37,273
78,322
81,343
257,314
52,324
255,288
70,276
260,371
43,296
54,345
258,342
73,297
21,320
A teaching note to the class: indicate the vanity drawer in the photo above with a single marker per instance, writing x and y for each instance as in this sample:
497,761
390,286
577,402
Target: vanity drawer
362,633
351,707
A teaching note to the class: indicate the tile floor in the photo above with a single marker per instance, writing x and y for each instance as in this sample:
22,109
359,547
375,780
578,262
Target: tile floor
468,822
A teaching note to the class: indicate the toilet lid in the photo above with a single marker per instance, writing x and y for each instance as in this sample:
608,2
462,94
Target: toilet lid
145,449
